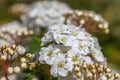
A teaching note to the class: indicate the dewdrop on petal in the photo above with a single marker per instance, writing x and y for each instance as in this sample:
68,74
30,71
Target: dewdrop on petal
17,69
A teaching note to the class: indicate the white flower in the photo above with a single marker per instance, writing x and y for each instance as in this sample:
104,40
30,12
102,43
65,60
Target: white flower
47,53
67,46
98,56
73,56
82,46
13,31
59,67
45,13
3,42
11,27
47,38
61,39
20,49
86,59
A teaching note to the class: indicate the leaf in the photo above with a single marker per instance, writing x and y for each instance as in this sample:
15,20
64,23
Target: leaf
33,46
28,77
37,39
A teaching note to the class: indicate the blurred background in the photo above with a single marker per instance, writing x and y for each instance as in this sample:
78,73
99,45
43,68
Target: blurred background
109,9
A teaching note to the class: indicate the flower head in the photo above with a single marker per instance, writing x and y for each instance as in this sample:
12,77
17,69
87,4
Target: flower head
91,21
44,14
66,46
14,32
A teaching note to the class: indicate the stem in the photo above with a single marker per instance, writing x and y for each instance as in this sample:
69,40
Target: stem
6,76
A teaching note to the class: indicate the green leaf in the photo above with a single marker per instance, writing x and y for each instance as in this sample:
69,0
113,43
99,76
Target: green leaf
28,77
37,39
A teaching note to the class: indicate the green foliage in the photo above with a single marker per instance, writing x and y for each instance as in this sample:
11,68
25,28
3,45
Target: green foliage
28,77
34,45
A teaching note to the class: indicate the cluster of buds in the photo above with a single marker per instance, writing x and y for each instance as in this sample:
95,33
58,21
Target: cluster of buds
94,72
18,9
15,33
13,59
91,21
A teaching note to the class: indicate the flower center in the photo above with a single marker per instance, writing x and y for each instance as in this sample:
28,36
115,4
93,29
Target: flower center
41,18
74,34
63,39
80,46
64,52
50,53
60,29
60,64
74,58
93,53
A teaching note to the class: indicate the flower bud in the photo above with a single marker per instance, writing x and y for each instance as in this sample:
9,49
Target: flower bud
10,70
17,69
23,65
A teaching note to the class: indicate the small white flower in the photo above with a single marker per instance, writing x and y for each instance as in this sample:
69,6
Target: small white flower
98,56
11,27
82,47
20,49
59,67
47,53
45,13
86,59
73,56
47,38
3,42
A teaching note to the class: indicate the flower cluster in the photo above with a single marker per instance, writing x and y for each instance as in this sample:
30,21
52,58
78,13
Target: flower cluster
91,21
44,14
70,51
68,45
12,60
14,32
18,9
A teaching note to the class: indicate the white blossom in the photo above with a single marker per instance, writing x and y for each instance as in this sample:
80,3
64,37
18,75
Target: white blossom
20,49
66,46
59,67
45,13
47,53
13,32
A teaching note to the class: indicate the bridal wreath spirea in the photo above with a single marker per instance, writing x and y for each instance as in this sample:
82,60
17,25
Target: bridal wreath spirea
14,32
67,45
45,13
90,20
